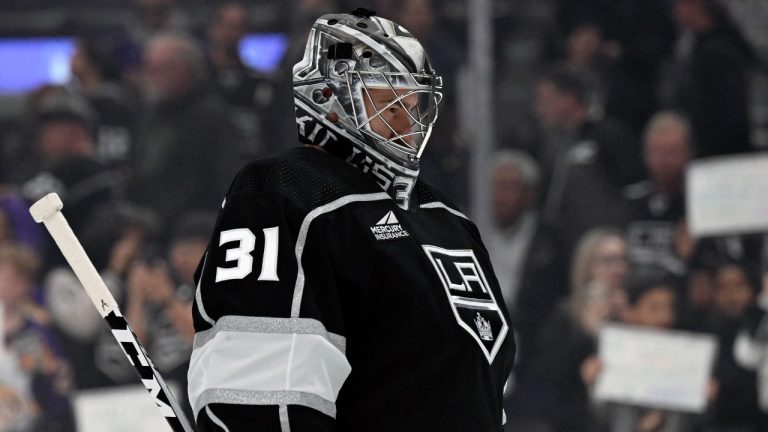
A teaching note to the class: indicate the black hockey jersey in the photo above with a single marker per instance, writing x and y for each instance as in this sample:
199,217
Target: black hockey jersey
323,306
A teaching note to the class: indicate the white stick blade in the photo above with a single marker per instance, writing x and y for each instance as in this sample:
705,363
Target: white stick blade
46,207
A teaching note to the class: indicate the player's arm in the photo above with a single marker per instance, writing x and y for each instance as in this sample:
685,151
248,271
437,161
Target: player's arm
259,364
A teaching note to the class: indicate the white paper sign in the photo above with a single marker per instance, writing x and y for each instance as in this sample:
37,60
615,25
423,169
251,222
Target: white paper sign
728,195
660,369
118,409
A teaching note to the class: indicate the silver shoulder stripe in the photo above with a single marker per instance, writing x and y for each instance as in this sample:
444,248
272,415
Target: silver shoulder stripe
282,397
298,291
246,324
438,204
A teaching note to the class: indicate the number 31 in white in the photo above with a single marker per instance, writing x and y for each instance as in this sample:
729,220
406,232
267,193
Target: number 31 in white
241,254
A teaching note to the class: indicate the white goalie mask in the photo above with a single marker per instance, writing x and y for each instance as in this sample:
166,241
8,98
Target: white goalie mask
369,82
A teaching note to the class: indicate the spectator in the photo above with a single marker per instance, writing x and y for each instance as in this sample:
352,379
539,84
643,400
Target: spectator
609,92
651,304
160,296
525,252
115,238
188,146
639,34
714,91
249,93
656,206
41,381
65,142
583,172
736,405
699,297
98,65
551,394
751,347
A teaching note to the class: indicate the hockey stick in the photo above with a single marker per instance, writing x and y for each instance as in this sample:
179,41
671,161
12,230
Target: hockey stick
48,211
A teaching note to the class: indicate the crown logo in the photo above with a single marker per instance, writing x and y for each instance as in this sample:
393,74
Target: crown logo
484,328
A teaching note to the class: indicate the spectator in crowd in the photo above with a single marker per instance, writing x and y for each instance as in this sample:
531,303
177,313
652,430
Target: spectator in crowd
736,405
160,296
656,206
248,92
714,88
580,159
651,303
638,35
525,252
188,145
551,395
65,143
36,381
697,306
609,92
115,238
98,65
751,347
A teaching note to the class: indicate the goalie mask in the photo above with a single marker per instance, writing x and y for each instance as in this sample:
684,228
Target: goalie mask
365,91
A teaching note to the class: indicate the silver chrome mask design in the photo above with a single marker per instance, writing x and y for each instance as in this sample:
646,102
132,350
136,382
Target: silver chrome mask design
359,70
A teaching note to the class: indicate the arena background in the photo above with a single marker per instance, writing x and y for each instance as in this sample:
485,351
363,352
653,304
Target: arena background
565,131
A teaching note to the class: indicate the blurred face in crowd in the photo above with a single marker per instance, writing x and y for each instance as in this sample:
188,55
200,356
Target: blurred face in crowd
690,14
667,153
58,139
229,27
609,263
584,45
733,291
185,255
167,75
554,108
700,289
14,286
511,196
655,308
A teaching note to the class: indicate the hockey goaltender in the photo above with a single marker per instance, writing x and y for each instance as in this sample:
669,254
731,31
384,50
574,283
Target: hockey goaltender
339,292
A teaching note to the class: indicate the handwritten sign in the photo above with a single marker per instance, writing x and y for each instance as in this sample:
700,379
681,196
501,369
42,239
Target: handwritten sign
660,369
118,409
728,195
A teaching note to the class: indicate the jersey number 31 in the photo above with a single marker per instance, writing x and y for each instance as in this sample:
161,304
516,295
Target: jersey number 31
246,243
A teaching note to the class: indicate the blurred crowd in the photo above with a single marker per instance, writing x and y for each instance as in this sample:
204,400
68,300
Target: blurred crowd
601,106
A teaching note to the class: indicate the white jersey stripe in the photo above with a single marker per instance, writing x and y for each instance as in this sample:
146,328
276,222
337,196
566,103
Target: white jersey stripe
217,421
285,424
438,204
255,363
199,295
301,239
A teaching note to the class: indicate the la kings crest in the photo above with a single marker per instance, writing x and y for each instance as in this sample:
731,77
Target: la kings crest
470,296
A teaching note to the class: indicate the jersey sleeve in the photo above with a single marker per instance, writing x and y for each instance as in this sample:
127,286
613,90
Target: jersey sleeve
269,346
